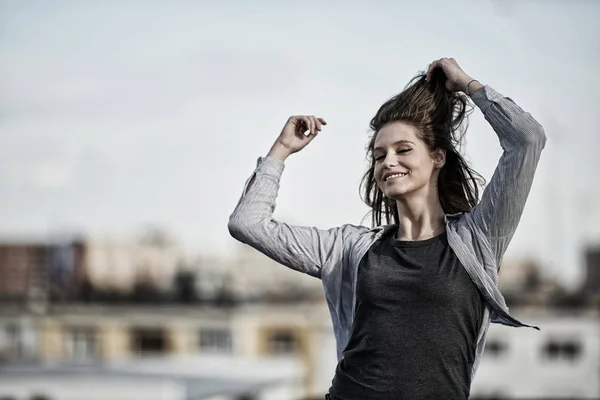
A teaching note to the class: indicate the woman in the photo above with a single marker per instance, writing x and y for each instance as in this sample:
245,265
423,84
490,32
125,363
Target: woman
411,301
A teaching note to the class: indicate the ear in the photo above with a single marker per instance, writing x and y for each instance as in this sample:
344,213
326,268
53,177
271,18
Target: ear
439,158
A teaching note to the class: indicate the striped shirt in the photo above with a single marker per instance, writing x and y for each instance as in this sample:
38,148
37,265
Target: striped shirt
479,238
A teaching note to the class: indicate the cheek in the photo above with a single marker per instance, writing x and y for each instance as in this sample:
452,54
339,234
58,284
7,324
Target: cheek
376,173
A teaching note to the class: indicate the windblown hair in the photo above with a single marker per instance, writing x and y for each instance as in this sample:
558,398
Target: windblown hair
441,119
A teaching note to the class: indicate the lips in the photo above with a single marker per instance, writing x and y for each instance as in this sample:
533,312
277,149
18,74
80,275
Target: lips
392,176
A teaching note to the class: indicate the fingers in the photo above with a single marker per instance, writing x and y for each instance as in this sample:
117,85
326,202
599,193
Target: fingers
445,63
319,122
310,123
432,66
312,126
304,124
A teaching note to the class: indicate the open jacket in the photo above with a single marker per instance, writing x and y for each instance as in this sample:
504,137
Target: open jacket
479,238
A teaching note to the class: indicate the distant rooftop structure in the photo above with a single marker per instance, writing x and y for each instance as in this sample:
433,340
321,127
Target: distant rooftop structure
591,283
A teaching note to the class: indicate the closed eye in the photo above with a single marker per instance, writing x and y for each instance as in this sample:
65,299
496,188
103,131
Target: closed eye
399,151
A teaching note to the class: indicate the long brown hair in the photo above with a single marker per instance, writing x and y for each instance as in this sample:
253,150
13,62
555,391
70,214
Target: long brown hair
441,119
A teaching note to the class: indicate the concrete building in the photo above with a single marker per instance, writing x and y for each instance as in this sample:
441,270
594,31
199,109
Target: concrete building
253,276
592,281
297,334
23,271
561,361
119,266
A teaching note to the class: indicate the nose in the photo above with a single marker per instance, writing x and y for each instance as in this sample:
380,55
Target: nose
390,161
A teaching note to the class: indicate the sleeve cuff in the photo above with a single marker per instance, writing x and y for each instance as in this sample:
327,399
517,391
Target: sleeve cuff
485,97
269,166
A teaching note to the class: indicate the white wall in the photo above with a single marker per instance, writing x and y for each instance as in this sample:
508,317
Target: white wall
68,388
525,371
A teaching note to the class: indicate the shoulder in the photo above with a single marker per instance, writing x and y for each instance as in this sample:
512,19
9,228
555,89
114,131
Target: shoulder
463,226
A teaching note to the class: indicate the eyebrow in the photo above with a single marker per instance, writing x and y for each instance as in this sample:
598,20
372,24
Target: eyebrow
394,144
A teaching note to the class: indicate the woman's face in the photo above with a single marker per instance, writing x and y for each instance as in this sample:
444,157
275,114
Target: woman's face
403,163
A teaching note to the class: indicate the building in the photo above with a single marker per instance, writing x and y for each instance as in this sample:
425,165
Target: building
120,266
592,282
23,271
254,276
561,361
297,335
265,326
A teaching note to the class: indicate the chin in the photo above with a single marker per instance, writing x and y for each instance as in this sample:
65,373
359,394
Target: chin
396,194
398,190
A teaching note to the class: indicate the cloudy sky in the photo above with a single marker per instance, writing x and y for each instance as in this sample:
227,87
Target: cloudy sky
115,115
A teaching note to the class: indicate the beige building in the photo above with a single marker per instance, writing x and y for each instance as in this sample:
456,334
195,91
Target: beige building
252,275
119,266
560,361
90,334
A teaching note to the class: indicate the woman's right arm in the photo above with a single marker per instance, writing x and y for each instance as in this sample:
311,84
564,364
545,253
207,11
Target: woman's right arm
305,249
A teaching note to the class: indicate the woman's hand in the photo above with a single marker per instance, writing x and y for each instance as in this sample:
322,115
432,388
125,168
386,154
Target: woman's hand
294,137
457,78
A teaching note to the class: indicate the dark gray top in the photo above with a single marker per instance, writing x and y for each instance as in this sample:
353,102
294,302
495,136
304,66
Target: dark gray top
415,327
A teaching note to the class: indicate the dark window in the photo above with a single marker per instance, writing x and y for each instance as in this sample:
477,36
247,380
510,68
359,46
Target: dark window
148,341
562,349
283,342
496,348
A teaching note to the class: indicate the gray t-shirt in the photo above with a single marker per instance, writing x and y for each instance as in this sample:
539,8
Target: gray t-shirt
416,322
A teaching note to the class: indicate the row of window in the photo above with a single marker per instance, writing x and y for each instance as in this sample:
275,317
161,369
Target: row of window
84,343
552,350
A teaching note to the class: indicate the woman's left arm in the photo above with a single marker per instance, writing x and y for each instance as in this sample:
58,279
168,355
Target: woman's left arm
522,138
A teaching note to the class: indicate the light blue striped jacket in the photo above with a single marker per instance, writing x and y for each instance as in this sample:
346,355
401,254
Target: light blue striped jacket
479,238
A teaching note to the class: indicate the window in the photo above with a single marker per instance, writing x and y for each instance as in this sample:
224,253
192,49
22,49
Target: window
282,341
81,344
14,340
495,348
217,340
149,341
562,349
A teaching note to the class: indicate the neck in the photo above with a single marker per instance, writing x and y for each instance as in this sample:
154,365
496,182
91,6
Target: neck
421,216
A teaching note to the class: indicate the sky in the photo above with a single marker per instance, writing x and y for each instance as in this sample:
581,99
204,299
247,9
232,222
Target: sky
119,115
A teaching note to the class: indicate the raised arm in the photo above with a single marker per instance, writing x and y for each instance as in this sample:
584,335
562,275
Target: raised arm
305,249
522,138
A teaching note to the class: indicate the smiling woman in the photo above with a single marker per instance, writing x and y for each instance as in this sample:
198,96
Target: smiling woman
419,132
411,302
